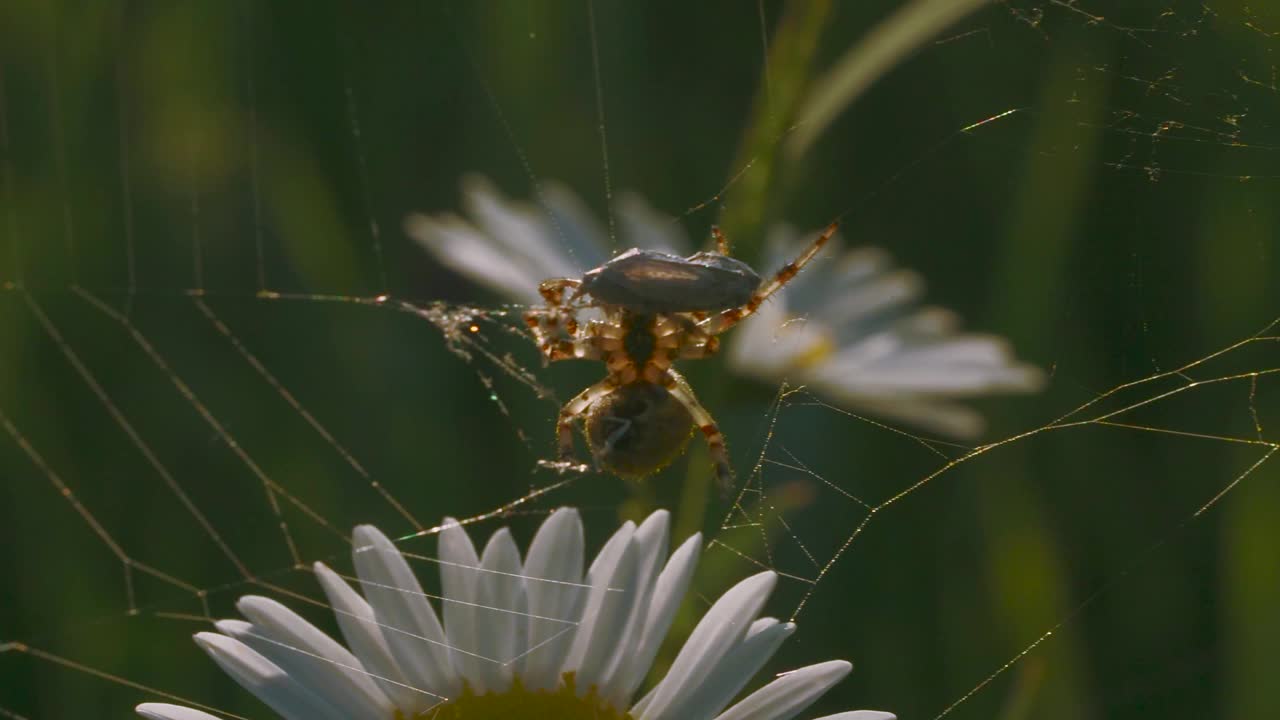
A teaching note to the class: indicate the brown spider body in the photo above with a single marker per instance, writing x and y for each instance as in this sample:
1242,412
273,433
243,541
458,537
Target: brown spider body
658,309
637,429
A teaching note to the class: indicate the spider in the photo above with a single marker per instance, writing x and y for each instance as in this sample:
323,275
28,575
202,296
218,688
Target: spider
657,308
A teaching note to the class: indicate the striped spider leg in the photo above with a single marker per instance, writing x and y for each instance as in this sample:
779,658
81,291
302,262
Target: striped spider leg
726,319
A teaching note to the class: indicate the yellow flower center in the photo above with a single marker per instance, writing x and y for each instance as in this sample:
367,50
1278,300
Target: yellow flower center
520,703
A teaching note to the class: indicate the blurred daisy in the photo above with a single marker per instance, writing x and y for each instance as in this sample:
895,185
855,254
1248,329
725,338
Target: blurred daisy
533,638
849,327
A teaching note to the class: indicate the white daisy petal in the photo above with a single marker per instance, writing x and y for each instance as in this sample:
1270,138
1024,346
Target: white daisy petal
265,679
721,628
790,694
736,670
849,328
459,578
651,540
648,229
553,571
316,659
503,613
464,249
610,601
668,593
407,620
951,419
165,711
534,635
874,297
524,232
301,664
576,229
360,629
860,715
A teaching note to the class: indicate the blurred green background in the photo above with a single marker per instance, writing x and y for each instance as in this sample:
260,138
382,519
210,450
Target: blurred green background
1122,222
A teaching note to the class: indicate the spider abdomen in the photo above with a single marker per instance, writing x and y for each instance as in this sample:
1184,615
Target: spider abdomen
638,429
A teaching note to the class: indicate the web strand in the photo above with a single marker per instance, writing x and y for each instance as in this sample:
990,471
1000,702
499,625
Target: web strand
758,510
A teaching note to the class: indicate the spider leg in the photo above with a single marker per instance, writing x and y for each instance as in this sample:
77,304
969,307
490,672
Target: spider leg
575,408
594,342
727,319
691,342
550,323
722,242
719,451
553,290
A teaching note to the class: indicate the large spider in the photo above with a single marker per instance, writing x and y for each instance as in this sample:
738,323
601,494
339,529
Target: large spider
658,308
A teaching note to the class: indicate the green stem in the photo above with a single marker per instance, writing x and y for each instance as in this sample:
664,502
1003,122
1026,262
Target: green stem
784,83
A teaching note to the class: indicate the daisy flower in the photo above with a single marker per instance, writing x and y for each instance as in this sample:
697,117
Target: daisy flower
538,638
850,327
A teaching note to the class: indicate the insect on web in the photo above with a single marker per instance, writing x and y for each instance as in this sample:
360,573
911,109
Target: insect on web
221,355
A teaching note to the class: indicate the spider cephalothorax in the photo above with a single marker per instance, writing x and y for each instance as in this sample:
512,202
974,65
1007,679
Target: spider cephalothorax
657,308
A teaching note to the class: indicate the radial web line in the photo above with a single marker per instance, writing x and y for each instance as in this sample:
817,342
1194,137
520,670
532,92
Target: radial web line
600,122
742,514
59,144
267,376
110,677
1105,587
510,134
362,168
1103,419
126,182
6,180
355,669
481,570
255,181
455,601
94,524
272,489
91,381
193,140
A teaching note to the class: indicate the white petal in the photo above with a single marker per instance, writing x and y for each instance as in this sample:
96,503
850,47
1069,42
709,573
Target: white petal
860,715
459,571
364,637
877,297
612,598
299,666
577,232
722,628
553,578
525,233
460,247
316,659
951,419
265,679
736,670
790,694
668,593
405,617
502,618
648,229
779,346
651,541
165,711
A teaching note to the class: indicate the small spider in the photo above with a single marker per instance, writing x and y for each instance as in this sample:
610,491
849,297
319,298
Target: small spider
658,308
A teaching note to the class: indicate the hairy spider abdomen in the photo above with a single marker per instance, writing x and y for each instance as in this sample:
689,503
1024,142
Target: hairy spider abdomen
638,429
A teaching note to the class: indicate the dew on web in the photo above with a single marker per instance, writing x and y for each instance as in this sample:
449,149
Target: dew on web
201,404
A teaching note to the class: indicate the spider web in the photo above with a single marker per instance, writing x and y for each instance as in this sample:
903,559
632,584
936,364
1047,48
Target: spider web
176,438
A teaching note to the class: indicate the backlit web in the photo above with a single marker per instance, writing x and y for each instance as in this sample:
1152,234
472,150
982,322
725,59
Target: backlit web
220,352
